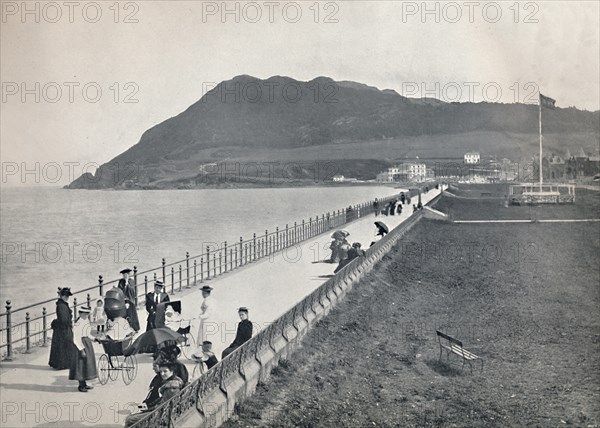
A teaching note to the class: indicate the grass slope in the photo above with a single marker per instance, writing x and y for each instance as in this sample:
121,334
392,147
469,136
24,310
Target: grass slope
524,297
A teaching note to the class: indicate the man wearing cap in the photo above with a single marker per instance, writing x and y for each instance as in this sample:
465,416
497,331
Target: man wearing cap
206,312
129,288
83,367
243,334
152,300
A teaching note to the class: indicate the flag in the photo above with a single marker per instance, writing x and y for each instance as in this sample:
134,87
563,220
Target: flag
547,102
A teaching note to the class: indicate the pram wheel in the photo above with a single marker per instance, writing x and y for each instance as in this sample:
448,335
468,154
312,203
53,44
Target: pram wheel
129,369
188,347
103,369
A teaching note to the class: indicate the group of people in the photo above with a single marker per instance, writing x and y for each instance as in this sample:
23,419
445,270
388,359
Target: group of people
392,207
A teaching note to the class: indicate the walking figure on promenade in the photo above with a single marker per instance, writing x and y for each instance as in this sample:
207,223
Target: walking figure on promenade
206,313
381,229
402,198
129,288
243,334
376,207
62,332
152,300
83,367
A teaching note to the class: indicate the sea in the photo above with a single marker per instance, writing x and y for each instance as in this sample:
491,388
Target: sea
53,237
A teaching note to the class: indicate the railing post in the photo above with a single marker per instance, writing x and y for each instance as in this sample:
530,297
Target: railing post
164,271
302,235
187,269
207,262
215,264
241,248
220,263
225,246
246,256
231,259
44,327
236,257
172,280
254,244
135,281
74,308
323,223
277,239
295,234
180,277
9,349
155,277
100,285
27,333
310,234
145,284
265,249
89,301
287,231
195,272
201,269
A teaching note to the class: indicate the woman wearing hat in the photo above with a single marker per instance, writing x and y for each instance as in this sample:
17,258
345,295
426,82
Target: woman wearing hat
206,309
83,367
61,348
243,333
129,288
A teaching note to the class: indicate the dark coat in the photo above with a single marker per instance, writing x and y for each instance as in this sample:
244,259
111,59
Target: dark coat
83,368
61,350
153,396
212,360
151,307
243,334
130,291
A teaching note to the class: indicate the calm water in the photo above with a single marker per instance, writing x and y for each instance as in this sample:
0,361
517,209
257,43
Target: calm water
53,237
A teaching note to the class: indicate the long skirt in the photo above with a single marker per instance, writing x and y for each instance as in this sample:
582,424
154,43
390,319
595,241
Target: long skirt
83,368
61,355
132,317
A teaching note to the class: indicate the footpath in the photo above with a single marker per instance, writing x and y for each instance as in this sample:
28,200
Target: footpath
34,395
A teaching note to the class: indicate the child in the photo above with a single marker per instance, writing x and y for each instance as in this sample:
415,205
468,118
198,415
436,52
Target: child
98,316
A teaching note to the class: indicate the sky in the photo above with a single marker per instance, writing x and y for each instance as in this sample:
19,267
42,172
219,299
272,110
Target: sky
82,81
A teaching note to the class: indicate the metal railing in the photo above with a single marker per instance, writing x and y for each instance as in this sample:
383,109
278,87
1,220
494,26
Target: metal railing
187,272
192,396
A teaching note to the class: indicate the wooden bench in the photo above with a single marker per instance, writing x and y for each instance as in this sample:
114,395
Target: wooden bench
456,347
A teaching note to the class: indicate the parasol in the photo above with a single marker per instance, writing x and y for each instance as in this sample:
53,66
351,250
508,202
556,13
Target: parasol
383,226
340,234
154,339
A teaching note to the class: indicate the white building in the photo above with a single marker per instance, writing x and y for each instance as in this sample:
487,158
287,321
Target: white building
410,171
472,158
413,171
388,176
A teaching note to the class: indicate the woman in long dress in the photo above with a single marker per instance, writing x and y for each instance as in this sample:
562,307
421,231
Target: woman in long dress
61,349
83,367
205,315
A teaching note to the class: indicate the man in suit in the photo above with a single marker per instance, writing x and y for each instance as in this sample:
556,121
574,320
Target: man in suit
152,301
243,334
129,288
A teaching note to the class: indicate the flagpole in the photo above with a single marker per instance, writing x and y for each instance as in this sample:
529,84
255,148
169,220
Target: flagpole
540,119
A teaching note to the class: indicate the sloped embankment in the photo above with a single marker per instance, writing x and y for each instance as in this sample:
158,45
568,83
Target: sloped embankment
524,297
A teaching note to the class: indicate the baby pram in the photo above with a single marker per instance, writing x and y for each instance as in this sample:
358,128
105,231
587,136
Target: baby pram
118,357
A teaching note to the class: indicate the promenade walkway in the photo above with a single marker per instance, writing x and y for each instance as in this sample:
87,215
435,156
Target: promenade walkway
33,394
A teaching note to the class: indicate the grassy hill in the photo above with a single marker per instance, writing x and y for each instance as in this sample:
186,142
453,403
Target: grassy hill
360,128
